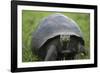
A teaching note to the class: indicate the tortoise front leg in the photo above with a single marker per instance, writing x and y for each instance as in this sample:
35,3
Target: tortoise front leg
51,53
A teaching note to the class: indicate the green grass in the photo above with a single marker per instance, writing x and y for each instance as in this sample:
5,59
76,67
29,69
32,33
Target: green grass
30,21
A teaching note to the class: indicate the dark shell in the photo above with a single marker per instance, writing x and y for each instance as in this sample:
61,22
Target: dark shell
54,25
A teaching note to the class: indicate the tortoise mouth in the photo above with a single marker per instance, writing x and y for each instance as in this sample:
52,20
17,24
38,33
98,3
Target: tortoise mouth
65,51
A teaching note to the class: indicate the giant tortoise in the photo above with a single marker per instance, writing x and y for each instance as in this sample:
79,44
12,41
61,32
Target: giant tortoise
57,38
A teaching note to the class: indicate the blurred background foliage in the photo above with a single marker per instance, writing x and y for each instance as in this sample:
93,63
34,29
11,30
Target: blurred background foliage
30,21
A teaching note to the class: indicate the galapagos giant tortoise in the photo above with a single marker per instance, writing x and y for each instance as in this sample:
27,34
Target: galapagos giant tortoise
57,38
